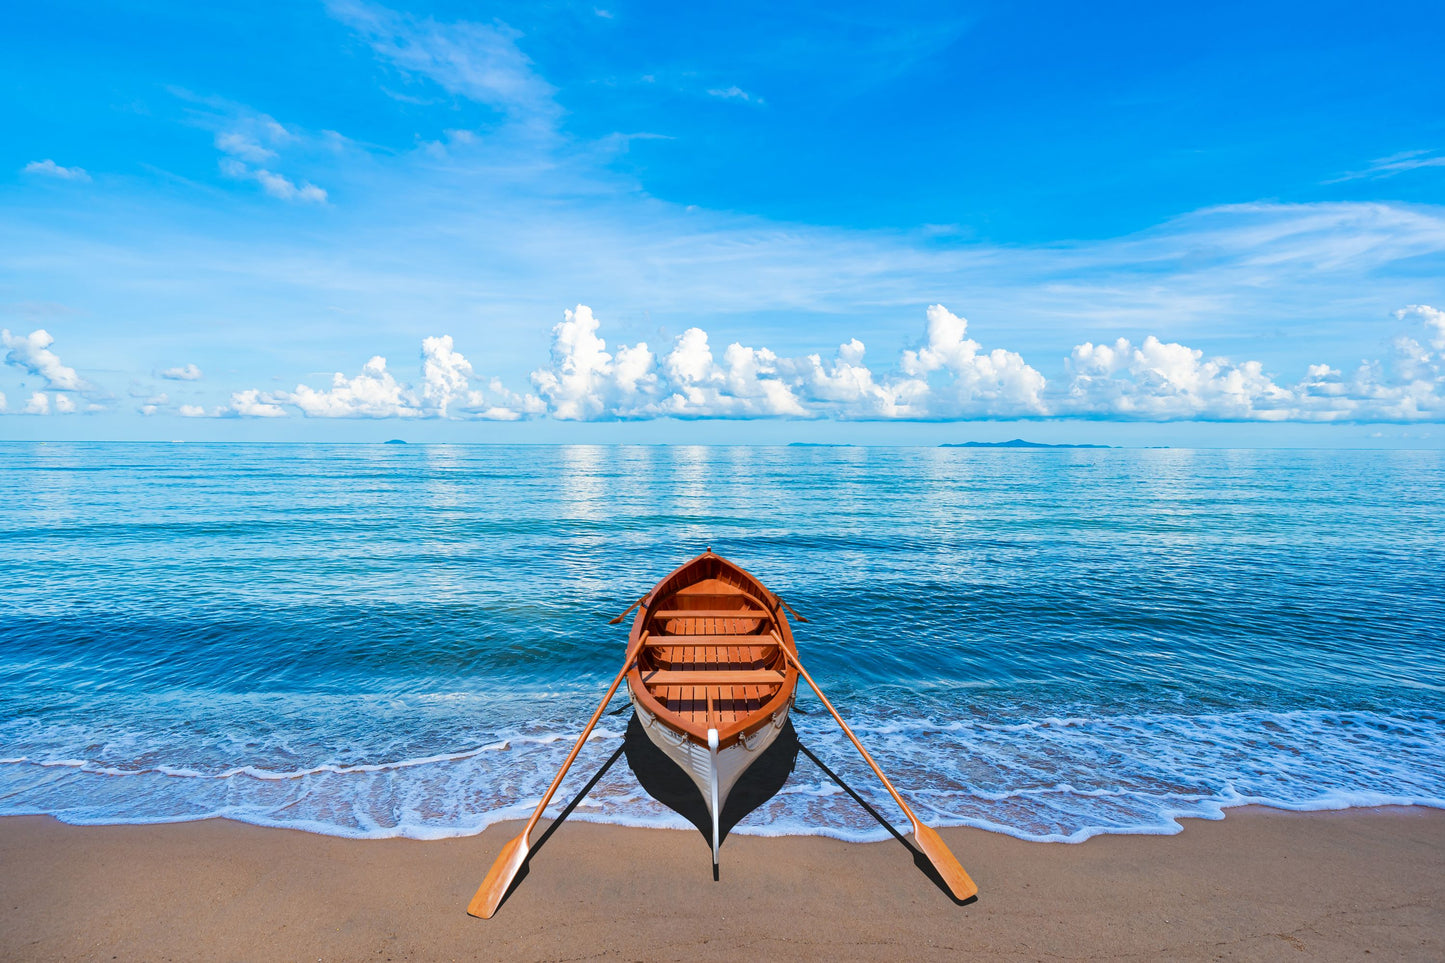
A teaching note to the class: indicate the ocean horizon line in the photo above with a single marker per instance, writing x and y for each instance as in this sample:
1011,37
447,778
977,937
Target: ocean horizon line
966,446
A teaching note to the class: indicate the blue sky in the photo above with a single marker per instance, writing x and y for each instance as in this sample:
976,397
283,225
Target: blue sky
622,222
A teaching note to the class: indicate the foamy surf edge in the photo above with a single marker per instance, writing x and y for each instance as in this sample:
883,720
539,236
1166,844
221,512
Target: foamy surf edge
1205,809
1065,779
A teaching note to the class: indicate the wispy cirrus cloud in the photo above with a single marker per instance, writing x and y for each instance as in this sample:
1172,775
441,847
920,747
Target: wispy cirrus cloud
734,92
256,147
1395,164
479,61
248,146
277,185
48,168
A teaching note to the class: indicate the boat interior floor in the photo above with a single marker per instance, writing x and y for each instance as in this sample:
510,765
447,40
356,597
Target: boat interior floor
710,655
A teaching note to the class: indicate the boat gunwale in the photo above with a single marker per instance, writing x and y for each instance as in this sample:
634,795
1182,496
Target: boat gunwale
752,722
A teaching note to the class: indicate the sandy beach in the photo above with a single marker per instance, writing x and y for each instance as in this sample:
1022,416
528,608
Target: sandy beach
1259,885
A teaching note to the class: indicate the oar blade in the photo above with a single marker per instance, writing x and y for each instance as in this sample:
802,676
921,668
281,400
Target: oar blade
932,845
499,878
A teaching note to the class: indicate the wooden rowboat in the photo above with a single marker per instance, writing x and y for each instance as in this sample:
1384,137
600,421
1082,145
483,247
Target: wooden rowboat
712,672
711,684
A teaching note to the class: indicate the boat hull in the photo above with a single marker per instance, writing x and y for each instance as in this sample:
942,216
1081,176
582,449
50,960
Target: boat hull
696,759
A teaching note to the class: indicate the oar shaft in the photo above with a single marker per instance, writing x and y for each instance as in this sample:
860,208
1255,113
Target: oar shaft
509,861
849,733
784,604
624,614
537,814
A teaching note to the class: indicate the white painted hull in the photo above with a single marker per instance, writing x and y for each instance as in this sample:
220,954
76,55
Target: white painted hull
696,759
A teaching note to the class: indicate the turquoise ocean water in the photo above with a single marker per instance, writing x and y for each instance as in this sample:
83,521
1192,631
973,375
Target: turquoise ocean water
403,640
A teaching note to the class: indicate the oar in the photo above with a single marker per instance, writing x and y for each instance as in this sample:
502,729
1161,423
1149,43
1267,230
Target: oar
624,614
514,854
784,605
929,842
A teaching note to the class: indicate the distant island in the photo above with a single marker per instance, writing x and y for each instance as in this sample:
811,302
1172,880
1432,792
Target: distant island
395,441
1016,443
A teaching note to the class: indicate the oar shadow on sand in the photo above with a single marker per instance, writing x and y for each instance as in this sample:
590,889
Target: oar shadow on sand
561,818
661,778
924,864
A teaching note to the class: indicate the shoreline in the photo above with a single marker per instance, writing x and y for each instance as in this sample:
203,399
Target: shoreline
1333,884
882,834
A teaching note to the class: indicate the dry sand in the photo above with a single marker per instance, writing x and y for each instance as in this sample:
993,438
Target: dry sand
1260,885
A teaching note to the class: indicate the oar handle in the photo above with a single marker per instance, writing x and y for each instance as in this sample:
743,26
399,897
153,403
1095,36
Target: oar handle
788,607
793,658
624,614
537,814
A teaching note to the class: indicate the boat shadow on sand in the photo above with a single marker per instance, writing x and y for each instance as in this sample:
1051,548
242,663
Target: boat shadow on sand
661,779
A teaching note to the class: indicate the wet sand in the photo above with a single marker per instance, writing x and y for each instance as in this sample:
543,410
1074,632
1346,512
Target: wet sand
1259,885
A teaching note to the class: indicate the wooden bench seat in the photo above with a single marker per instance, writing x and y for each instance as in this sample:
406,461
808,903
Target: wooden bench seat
723,639
705,677
753,614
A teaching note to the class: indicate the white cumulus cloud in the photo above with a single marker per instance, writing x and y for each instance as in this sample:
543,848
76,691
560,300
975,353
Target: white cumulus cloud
1158,381
949,376
847,387
186,372
585,382
373,393
32,352
444,390
975,382
250,403
747,384
1432,318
